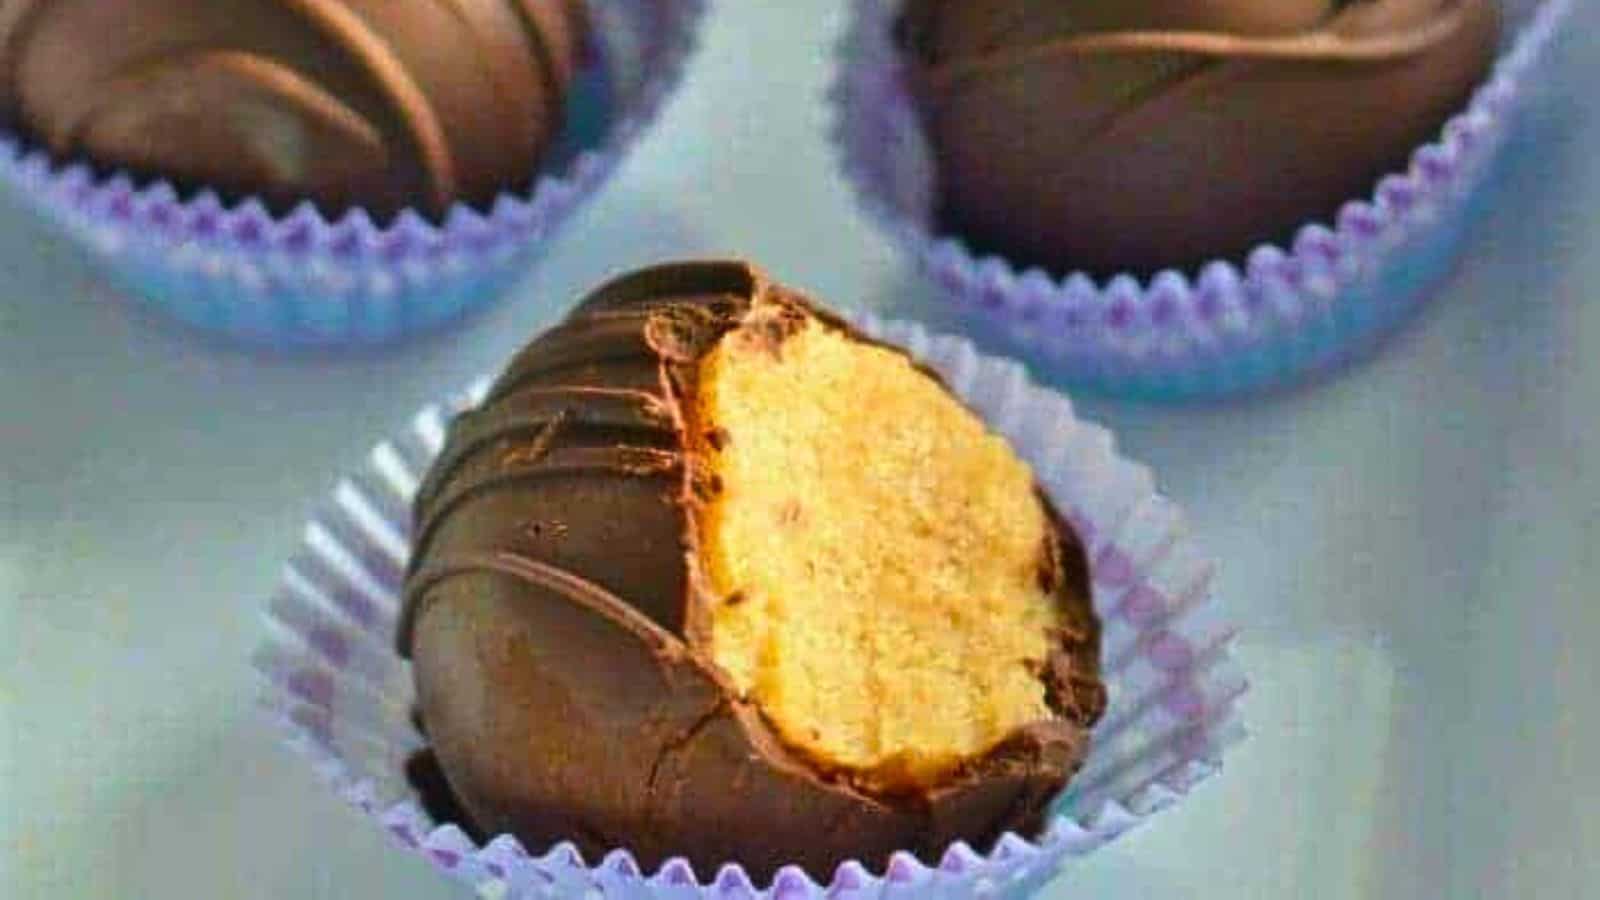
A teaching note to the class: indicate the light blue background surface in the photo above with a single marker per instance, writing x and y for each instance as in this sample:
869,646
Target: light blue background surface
1414,548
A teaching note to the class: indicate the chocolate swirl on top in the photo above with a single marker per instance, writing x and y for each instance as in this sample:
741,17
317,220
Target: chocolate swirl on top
379,104
557,618
1136,136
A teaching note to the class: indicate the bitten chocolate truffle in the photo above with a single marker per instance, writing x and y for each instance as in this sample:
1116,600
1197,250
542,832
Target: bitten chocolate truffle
1132,136
378,104
711,574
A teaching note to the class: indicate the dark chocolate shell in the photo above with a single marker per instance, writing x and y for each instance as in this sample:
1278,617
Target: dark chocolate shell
379,104
552,615
1111,143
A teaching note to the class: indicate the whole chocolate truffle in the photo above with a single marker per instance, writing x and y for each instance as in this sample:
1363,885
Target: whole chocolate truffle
1081,135
379,104
709,574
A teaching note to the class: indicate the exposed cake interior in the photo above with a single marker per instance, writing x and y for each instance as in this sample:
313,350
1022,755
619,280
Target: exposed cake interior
875,551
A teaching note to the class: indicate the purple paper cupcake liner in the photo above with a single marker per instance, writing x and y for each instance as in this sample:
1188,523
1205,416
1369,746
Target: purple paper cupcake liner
300,281
1278,315
344,697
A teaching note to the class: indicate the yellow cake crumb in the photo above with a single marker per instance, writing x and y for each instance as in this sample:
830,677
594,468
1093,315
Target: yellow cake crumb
875,554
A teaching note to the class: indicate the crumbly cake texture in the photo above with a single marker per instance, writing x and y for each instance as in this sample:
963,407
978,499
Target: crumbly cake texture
875,553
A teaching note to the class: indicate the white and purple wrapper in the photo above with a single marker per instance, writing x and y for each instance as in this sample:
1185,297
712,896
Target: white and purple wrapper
335,683
300,281
1235,326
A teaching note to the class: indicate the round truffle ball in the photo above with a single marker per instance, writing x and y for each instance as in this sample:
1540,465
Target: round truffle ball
1105,137
710,574
378,104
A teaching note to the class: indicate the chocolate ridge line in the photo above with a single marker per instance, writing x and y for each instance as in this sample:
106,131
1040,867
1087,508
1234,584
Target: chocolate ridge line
634,461
562,582
534,31
701,278
348,29
575,342
1323,45
527,410
499,60
270,74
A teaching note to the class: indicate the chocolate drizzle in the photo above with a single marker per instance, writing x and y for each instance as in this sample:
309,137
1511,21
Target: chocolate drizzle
1334,43
347,103
558,621
1132,137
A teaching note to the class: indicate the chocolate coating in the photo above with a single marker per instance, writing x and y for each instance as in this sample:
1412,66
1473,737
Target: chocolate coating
379,104
558,628
1078,135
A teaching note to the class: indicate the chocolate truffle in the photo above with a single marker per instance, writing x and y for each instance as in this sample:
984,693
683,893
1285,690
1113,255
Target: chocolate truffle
710,574
1132,136
379,104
